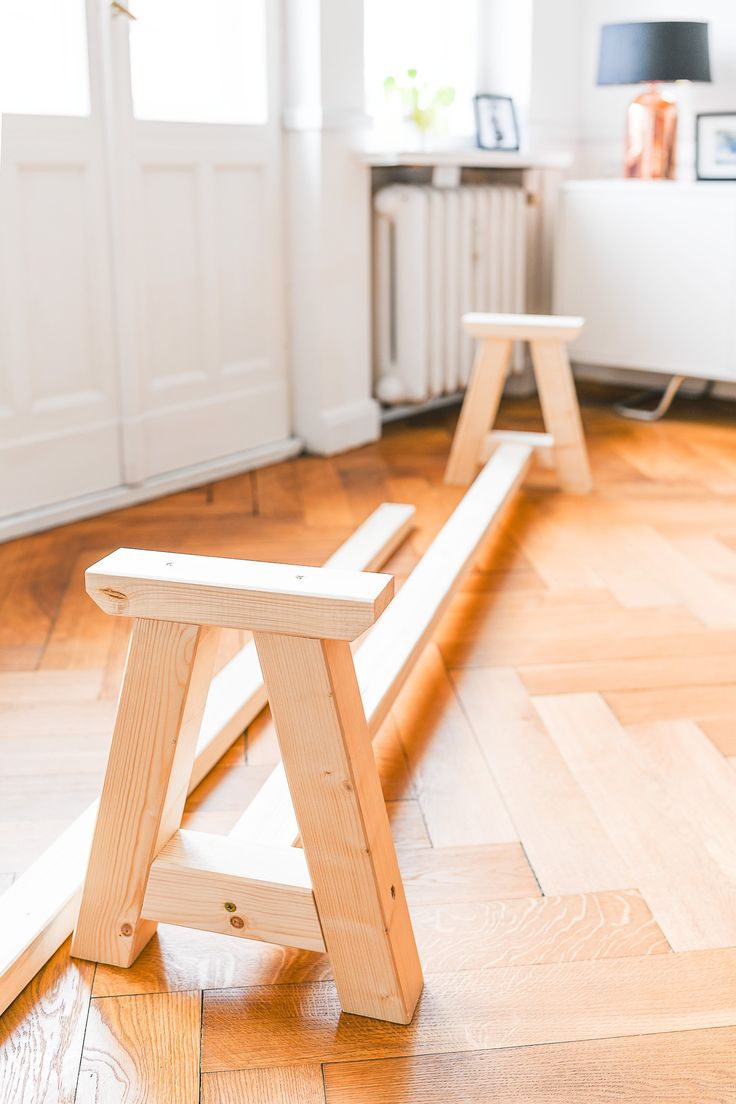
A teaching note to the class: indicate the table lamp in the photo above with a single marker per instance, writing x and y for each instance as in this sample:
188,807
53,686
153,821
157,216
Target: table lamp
652,54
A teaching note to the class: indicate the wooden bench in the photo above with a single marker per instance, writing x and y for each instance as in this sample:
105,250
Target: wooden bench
564,443
39,910
341,891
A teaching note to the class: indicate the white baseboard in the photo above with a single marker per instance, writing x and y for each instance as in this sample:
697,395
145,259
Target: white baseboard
115,498
345,427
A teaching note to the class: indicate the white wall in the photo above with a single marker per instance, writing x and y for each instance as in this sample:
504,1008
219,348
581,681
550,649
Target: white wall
603,110
556,51
503,57
531,50
328,226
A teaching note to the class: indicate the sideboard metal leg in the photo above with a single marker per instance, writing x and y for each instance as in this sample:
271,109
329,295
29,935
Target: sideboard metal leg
643,415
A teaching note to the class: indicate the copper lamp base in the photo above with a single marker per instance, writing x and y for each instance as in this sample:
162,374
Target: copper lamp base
651,135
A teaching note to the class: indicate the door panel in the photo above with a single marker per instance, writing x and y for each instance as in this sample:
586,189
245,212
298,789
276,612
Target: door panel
203,215
243,297
58,421
172,277
141,270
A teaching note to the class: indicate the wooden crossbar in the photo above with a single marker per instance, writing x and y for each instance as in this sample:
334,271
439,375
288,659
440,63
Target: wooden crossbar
542,443
384,659
239,594
522,327
38,911
563,444
497,437
215,884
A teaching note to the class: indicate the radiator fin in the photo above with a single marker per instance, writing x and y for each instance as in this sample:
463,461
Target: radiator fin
439,252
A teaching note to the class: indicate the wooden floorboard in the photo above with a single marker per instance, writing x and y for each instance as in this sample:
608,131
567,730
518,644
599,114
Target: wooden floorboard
506,1006
42,1033
452,936
265,1086
445,760
477,873
666,799
567,845
679,1068
560,775
142,1048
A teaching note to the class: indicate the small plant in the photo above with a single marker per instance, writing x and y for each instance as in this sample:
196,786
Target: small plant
422,104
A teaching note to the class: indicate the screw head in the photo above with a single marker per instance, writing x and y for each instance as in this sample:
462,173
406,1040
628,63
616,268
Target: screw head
126,929
230,906
237,921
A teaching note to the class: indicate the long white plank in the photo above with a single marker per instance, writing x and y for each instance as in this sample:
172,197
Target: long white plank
39,910
385,656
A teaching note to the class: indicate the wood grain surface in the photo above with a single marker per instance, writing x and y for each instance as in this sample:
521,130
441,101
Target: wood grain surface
679,1068
140,1049
579,691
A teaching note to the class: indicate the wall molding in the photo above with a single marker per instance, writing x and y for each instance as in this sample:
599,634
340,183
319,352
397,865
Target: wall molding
349,426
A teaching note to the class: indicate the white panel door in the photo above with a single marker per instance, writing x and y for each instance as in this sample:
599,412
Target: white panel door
198,238
58,390
141,273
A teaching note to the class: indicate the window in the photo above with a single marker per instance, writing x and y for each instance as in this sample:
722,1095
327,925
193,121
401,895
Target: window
201,61
43,57
435,37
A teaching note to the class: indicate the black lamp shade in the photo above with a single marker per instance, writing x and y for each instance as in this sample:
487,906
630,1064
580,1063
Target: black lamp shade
663,52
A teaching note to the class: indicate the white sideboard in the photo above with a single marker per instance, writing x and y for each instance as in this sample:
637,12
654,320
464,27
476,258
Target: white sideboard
651,266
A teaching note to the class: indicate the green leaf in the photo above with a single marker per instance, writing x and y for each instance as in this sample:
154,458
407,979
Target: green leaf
411,73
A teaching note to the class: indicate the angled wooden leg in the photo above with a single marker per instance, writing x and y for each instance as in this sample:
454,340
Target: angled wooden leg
167,675
561,413
479,409
329,764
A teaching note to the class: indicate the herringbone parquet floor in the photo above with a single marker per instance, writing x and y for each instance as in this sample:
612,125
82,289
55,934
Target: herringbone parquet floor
558,773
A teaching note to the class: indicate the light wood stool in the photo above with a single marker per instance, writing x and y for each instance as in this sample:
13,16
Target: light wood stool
473,442
342,891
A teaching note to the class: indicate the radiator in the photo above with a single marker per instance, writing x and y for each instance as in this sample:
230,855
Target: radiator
439,252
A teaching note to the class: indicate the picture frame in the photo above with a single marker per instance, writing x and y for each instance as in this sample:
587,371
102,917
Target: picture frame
715,145
496,126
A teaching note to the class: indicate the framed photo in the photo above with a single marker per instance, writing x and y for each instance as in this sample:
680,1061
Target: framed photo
495,122
715,145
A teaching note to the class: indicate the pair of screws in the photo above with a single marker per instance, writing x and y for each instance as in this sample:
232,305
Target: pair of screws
235,921
230,906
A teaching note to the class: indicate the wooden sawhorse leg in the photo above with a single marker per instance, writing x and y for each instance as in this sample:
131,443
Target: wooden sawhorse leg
564,440
343,892
167,675
561,414
343,823
479,410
